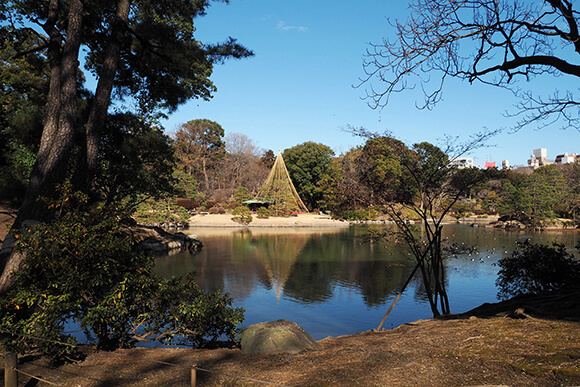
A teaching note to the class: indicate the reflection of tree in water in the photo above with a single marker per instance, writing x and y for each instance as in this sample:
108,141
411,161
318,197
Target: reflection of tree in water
310,282
278,252
226,262
420,293
379,280
377,270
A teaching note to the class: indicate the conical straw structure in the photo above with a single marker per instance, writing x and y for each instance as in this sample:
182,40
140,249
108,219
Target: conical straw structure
278,187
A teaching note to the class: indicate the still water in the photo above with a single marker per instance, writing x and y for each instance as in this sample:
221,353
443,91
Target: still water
331,282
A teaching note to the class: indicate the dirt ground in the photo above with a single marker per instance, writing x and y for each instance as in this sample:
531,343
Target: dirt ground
7,216
535,346
465,352
297,221
528,341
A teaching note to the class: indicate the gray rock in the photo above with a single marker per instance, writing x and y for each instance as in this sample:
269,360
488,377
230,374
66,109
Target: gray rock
280,336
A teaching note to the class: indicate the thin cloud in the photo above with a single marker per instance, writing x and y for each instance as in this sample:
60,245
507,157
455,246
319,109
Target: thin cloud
283,27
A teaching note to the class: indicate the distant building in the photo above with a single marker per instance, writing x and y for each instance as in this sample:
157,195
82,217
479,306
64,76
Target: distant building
489,164
541,153
539,158
566,158
462,162
505,164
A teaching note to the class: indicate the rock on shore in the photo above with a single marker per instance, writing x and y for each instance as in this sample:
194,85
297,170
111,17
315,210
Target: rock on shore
159,242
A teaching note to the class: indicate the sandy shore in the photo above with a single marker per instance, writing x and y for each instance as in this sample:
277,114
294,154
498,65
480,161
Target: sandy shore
301,220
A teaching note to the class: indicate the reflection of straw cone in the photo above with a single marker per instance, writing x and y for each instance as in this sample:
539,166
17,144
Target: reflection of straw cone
278,256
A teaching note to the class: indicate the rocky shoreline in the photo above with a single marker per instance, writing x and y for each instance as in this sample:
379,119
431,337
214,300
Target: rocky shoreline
157,241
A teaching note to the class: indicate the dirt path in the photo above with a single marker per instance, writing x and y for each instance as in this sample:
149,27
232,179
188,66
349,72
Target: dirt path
7,216
458,352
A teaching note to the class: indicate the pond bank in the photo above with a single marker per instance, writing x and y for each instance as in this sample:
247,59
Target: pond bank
465,351
300,220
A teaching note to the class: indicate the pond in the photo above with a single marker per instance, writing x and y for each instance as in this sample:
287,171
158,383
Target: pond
332,283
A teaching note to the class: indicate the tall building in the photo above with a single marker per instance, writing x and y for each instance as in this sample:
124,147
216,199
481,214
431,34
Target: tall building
538,158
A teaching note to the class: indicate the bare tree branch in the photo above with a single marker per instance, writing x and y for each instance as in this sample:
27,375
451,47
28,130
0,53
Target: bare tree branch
494,42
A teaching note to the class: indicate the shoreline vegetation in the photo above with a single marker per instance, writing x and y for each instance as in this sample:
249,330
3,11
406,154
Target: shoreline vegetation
526,341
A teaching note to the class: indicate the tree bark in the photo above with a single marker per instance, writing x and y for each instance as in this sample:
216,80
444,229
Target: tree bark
98,113
57,136
205,176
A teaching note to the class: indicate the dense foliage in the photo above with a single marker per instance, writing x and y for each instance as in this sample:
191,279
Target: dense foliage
263,213
199,146
307,165
24,84
161,211
136,160
83,268
240,195
242,215
535,268
146,60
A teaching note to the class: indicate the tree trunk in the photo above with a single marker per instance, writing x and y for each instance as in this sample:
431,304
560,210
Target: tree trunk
57,136
205,176
102,98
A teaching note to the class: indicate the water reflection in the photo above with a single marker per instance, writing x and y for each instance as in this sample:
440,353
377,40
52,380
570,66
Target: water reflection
330,282
303,265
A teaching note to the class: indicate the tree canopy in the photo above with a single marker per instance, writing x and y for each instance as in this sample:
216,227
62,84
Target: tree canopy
307,164
143,54
417,183
23,86
537,197
199,146
535,268
494,42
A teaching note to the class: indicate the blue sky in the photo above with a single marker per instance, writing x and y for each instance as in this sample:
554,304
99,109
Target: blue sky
299,85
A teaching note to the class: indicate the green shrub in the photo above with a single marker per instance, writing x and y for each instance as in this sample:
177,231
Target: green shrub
242,215
282,209
241,195
361,214
153,211
462,210
535,268
263,213
83,268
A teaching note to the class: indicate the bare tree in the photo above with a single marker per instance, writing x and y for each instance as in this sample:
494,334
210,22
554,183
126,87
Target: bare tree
495,42
240,144
241,166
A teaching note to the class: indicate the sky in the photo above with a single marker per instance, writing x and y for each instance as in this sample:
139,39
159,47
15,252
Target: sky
300,85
